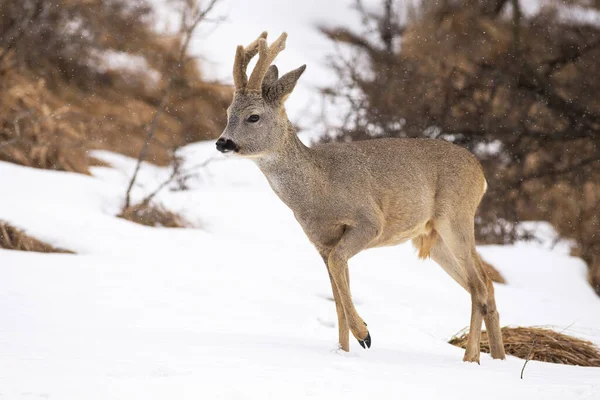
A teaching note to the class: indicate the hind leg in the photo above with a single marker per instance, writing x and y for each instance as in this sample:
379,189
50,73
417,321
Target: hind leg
442,255
461,261
492,324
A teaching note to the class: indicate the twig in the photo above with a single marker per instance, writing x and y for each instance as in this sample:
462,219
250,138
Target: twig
533,344
554,173
171,178
16,128
8,142
150,133
189,173
528,355
21,28
516,26
568,326
187,31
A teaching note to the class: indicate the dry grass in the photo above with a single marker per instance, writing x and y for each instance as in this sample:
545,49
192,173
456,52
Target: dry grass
153,215
62,96
53,126
12,238
550,346
492,272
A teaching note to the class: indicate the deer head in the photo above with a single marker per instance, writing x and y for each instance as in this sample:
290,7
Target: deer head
256,120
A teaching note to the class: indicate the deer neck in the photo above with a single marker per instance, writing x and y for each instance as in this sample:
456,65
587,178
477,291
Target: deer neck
293,172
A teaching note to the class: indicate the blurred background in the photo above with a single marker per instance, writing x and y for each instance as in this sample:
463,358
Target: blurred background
514,81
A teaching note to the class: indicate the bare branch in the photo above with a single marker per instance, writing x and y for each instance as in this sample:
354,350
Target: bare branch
18,30
186,31
175,172
528,356
554,173
571,57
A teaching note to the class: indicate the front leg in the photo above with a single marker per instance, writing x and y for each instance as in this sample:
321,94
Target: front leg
354,240
343,331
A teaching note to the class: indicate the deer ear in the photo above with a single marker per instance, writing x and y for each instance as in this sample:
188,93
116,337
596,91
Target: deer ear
270,78
285,85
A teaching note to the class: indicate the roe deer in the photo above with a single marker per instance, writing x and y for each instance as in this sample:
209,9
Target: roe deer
349,197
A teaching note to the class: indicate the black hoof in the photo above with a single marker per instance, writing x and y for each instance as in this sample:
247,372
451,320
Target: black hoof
366,343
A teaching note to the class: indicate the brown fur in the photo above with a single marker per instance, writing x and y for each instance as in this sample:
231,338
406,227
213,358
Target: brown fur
423,243
349,197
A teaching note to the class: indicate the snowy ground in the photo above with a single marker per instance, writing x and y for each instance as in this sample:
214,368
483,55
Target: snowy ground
240,308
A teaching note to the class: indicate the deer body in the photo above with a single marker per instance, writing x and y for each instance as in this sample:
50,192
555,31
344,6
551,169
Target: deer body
349,197
390,183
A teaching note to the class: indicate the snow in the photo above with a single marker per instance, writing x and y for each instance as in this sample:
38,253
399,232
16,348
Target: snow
239,307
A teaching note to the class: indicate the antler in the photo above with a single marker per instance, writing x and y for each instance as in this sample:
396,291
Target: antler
265,58
242,58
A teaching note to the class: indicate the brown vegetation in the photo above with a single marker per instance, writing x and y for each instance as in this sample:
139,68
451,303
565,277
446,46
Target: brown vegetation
153,215
12,238
96,85
492,272
540,344
519,91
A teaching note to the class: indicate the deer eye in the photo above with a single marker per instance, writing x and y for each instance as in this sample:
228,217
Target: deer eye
253,118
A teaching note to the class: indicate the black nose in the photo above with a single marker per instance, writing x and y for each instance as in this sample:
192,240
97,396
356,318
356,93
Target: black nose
225,145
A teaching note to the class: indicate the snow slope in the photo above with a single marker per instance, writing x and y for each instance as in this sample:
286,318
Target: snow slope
240,307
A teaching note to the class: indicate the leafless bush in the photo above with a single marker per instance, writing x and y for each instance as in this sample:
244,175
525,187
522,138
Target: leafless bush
192,13
519,91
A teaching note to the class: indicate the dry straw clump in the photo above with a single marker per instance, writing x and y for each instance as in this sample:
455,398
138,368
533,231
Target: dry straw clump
12,238
541,344
153,215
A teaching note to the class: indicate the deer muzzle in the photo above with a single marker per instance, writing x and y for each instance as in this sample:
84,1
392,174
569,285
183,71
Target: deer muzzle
226,145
